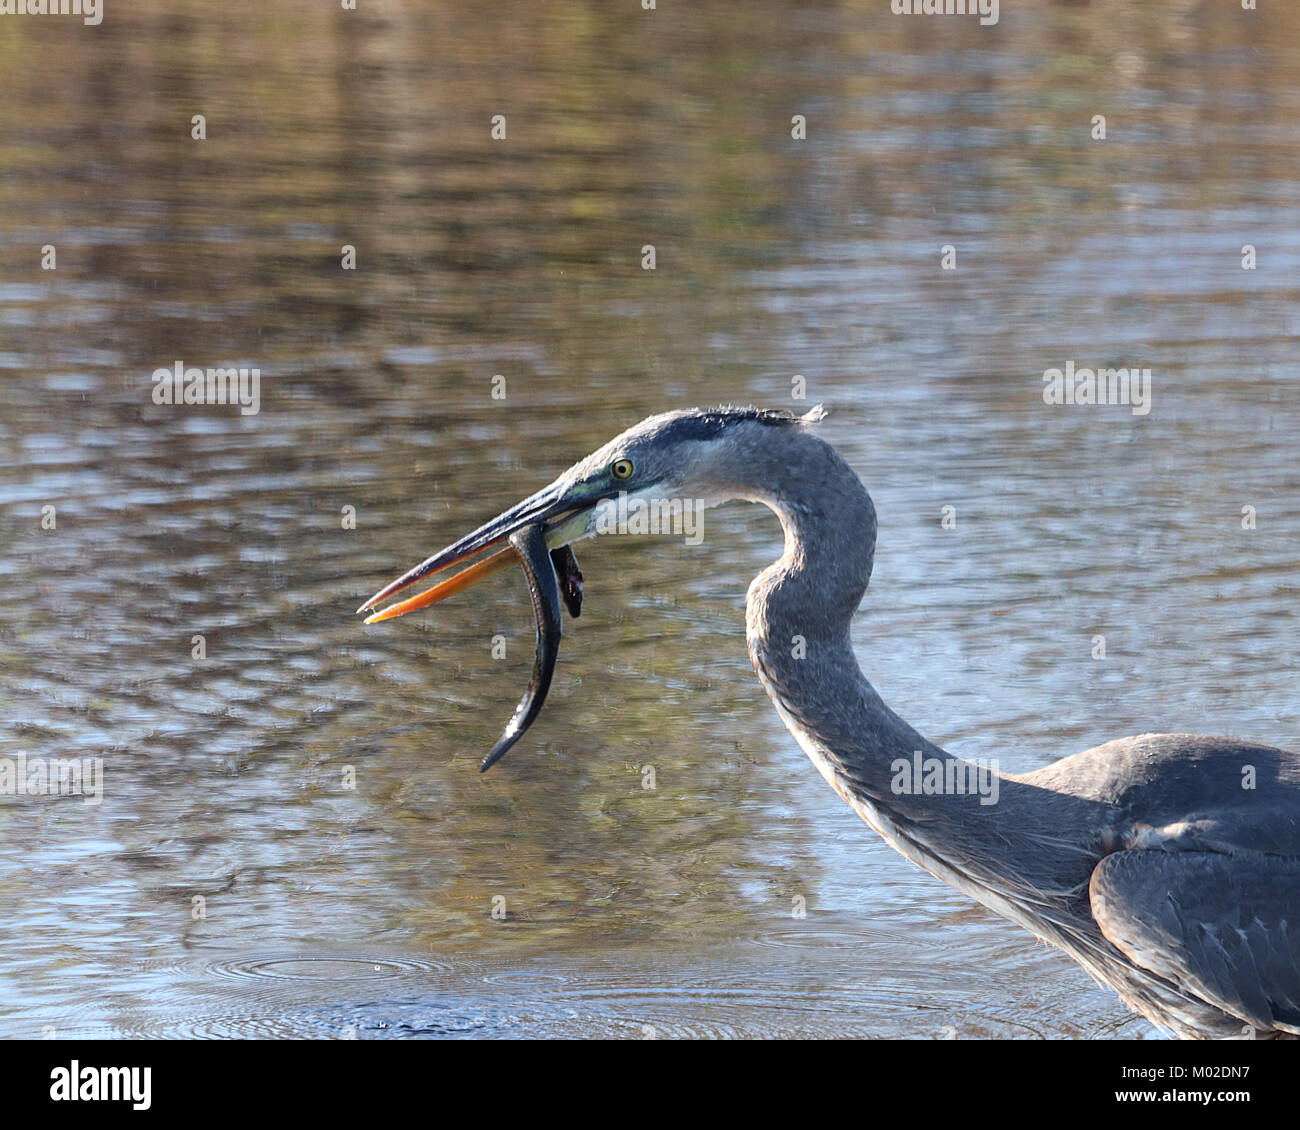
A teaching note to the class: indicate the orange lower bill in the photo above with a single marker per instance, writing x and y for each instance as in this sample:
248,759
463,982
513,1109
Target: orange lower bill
452,585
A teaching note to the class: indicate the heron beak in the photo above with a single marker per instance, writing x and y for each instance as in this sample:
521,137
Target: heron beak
567,520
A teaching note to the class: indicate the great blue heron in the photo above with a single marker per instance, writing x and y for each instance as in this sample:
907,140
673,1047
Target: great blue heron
1167,865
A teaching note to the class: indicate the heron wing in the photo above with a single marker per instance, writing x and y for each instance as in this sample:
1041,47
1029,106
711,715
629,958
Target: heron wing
1224,926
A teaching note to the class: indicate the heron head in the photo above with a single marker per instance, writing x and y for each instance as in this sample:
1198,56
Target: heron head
700,457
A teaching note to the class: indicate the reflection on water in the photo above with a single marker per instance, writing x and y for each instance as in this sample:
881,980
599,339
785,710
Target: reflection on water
231,883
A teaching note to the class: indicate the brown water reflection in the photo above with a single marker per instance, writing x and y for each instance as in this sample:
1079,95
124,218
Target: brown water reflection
669,908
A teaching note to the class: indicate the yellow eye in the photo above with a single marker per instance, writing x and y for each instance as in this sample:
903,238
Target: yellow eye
621,468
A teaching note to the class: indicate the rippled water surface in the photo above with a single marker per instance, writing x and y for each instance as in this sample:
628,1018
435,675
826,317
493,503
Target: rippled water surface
293,838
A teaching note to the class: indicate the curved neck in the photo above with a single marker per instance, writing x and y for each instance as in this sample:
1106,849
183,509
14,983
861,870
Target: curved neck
1022,849
947,814
798,615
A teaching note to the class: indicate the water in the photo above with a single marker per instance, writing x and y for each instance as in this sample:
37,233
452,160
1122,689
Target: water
324,910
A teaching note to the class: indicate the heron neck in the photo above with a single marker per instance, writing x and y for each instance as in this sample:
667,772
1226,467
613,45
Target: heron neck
797,617
799,612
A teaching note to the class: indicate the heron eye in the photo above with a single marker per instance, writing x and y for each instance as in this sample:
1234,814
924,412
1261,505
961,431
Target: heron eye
621,468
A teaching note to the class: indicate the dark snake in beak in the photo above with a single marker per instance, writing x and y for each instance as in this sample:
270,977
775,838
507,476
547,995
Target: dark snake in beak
552,577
